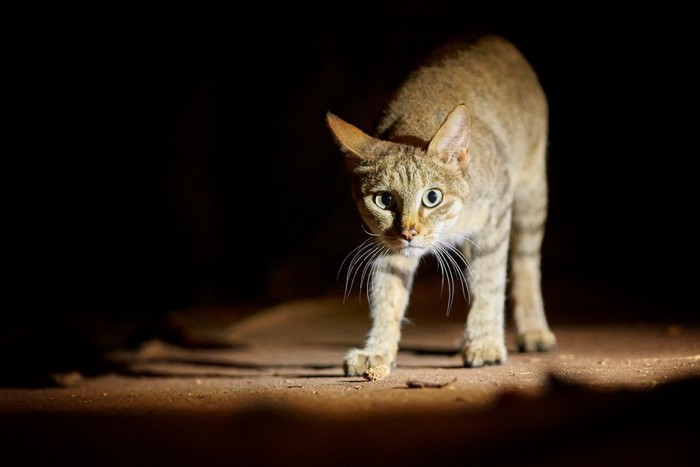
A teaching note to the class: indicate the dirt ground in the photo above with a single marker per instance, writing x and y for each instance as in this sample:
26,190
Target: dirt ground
227,386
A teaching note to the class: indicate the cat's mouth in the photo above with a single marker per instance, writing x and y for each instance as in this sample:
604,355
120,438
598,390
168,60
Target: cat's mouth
413,251
410,249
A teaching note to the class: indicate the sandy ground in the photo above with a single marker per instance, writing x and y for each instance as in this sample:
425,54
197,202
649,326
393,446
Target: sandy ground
268,389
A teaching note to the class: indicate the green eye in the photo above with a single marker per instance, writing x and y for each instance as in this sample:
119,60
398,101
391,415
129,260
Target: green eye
432,197
385,200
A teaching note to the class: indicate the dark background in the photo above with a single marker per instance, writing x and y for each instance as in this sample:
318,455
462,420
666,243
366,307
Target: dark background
171,159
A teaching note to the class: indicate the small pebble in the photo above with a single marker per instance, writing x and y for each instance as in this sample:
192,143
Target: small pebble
377,372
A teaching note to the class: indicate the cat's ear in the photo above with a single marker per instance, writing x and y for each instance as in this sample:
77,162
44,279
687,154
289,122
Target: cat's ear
352,140
451,142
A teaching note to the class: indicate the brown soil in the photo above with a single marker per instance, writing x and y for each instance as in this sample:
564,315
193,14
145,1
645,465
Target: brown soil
267,389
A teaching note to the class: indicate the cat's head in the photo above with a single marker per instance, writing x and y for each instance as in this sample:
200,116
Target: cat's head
409,195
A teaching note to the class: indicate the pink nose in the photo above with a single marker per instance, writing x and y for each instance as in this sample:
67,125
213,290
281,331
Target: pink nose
408,233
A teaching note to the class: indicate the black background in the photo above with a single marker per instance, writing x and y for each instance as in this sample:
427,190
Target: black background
169,159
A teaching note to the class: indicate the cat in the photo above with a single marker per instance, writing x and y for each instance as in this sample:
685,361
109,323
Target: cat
456,167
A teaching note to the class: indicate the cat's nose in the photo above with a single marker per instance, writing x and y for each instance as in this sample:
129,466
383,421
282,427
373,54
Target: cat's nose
408,233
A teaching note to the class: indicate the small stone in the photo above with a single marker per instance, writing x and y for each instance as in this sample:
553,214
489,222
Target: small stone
377,372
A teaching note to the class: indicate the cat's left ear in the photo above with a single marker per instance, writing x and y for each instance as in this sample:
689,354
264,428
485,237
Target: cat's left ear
451,142
352,140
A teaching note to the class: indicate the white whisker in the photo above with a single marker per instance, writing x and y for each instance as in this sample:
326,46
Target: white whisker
354,250
375,265
468,240
358,253
450,267
363,256
455,264
368,268
463,259
369,233
445,273
363,260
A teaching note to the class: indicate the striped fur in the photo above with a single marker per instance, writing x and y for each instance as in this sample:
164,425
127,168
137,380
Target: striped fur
456,168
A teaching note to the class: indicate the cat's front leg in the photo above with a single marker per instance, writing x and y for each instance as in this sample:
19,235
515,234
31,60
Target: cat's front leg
484,338
390,287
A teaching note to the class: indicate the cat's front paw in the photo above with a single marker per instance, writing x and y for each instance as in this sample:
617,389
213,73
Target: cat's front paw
539,340
360,363
484,352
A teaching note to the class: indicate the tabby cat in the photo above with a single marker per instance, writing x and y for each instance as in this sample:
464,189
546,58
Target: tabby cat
456,168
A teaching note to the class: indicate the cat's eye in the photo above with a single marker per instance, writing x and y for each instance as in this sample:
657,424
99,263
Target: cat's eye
432,198
385,200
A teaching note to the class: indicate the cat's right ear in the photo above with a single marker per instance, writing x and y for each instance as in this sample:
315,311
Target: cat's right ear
352,140
451,142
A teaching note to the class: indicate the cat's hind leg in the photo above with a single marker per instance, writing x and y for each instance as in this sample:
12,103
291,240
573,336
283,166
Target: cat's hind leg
527,231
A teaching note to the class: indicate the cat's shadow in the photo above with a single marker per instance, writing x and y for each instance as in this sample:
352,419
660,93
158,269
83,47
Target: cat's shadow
208,366
45,360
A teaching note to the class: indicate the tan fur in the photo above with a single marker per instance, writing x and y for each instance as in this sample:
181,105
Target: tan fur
457,162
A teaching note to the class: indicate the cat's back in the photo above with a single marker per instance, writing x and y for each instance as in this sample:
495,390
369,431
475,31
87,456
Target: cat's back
488,74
